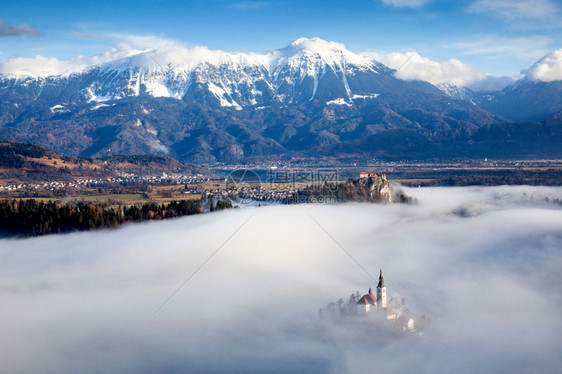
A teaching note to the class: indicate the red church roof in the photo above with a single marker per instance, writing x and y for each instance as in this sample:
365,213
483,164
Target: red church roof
367,299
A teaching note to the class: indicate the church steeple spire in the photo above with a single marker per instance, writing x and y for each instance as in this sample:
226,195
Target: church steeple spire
381,281
381,292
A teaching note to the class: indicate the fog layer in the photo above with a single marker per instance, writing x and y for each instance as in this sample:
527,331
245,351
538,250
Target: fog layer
483,264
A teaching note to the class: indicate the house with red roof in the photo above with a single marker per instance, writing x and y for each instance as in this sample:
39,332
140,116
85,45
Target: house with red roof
367,303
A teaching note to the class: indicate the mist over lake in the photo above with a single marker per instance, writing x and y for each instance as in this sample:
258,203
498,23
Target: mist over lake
483,265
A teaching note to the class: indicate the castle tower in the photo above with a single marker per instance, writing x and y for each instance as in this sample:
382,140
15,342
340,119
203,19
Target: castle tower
381,292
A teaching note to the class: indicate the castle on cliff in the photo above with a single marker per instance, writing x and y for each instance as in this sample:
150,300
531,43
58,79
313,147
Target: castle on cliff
376,186
364,174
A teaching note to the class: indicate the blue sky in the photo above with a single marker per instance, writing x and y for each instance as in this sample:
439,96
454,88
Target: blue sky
500,37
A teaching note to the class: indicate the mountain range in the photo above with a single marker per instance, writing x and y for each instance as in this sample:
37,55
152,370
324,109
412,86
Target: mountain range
312,99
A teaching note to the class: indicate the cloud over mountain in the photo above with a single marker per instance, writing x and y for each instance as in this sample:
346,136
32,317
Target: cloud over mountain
41,66
412,66
548,68
155,52
126,45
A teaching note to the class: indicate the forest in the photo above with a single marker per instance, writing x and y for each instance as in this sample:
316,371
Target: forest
32,217
12,154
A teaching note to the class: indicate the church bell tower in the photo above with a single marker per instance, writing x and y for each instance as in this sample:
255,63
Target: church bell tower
381,292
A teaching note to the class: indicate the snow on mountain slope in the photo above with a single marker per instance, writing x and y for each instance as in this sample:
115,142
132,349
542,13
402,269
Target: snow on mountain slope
456,92
236,79
311,57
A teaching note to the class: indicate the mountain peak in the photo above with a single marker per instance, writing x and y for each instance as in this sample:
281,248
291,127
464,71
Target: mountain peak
548,68
316,45
314,50
320,51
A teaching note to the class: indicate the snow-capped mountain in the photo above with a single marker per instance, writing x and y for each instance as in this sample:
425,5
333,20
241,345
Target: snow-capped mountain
312,97
526,100
535,97
457,92
289,75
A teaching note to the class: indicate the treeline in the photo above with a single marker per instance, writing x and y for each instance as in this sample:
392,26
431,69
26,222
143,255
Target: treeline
12,153
340,192
547,179
32,217
142,160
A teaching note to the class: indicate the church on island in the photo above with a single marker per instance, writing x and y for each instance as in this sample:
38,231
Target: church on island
379,305
393,310
369,302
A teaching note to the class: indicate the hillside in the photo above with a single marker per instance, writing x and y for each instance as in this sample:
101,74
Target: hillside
21,162
526,100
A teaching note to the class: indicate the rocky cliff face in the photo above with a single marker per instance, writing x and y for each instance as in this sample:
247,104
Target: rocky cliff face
377,187
373,187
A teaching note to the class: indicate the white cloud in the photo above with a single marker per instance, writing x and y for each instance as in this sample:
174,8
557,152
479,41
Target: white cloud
132,50
137,41
518,47
548,68
7,29
130,41
41,66
127,45
412,66
406,3
79,303
513,10
491,83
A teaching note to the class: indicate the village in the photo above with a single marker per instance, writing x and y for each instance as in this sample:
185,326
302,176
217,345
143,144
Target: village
121,179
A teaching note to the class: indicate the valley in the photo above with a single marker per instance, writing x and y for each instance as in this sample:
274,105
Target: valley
127,180
214,186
